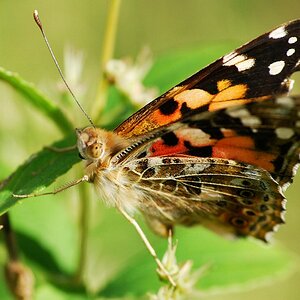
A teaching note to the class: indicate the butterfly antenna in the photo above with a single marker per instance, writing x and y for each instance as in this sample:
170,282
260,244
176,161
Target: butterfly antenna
39,23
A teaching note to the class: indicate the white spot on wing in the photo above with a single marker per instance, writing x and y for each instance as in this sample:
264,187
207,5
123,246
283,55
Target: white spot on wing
245,65
195,135
290,52
196,169
238,113
285,186
284,132
251,121
276,67
283,213
295,169
286,101
269,236
278,33
246,118
229,56
234,60
242,62
283,205
276,227
292,40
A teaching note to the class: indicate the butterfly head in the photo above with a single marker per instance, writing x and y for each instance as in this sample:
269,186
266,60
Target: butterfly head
95,144
91,143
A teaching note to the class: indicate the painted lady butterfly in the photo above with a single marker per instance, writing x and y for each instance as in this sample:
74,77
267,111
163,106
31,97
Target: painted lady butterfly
218,149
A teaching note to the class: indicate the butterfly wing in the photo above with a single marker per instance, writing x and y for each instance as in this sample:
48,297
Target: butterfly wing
266,135
254,72
225,170
198,156
224,195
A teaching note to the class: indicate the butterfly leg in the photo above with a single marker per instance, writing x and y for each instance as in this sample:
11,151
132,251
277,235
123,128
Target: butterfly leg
148,245
56,191
61,150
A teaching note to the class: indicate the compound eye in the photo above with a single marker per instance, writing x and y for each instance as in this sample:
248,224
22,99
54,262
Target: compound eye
95,150
80,156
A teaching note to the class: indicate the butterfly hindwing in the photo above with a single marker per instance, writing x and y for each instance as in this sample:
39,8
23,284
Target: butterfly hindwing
254,72
224,195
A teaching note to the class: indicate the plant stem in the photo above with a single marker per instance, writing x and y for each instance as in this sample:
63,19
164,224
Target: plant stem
84,211
19,278
107,54
9,237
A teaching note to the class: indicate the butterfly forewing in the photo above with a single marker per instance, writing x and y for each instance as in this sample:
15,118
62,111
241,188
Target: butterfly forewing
254,72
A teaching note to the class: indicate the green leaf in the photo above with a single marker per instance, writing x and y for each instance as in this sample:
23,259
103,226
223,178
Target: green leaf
172,68
38,100
117,109
230,264
49,292
38,172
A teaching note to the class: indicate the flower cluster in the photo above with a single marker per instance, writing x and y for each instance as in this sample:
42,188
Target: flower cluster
182,274
128,75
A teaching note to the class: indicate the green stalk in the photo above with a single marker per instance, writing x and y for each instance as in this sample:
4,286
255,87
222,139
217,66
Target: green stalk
9,238
84,210
19,278
107,54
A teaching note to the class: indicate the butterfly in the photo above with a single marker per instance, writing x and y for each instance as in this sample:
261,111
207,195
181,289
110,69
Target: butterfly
218,149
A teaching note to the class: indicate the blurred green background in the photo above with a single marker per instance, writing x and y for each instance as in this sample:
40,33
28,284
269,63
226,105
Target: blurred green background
163,26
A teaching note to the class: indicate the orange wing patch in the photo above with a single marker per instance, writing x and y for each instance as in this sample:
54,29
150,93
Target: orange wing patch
174,111
223,84
193,141
242,148
231,92
196,137
194,97
182,102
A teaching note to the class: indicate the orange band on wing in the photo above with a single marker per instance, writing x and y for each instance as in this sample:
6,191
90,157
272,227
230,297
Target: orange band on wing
223,84
192,99
230,93
237,141
159,148
261,159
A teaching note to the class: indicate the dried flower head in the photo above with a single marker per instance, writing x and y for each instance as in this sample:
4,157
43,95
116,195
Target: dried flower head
73,69
182,274
128,76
